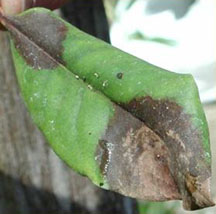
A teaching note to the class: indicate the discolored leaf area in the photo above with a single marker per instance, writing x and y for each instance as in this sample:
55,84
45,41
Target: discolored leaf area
129,126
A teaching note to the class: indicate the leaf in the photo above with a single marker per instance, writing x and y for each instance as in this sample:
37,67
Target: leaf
129,126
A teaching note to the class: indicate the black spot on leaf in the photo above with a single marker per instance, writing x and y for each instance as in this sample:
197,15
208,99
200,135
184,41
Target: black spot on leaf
119,75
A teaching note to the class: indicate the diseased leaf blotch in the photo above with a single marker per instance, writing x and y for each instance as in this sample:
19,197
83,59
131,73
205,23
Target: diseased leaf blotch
183,140
40,45
129,160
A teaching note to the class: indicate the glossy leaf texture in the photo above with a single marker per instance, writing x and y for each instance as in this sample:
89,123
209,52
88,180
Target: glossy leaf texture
129,126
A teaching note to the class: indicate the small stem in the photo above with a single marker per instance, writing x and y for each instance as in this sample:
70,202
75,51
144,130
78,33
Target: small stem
12,7
51,4
1,17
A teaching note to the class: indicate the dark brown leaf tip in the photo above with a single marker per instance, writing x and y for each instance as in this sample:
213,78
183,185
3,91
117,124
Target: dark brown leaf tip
184,142
135,161
42,49
157,157
199,195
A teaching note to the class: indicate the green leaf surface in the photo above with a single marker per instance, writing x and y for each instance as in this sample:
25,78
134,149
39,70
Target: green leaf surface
129,126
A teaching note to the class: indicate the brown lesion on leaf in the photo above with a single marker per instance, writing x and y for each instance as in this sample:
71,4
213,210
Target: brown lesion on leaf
135,161
103,155
199,196
168,120
153,152
41,49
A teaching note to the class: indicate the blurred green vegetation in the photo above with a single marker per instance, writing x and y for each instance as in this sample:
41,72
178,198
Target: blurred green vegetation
158,207
140,36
